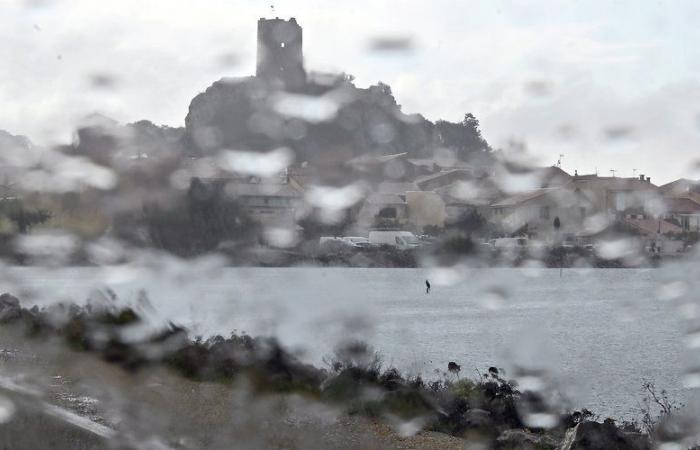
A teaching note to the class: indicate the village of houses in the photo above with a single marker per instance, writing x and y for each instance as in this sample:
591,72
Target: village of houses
519,205
389,204
378,201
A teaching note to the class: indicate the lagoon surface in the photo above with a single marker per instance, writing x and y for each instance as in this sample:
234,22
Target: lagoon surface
597,333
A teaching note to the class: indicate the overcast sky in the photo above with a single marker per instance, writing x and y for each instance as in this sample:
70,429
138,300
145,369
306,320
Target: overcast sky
609,84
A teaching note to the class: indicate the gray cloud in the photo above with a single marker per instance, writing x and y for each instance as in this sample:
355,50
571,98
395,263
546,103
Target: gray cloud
602,67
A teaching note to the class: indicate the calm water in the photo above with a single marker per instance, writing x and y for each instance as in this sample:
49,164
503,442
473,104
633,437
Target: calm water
599,333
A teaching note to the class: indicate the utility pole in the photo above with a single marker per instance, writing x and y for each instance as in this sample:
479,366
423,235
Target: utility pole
560,248
559,160
613,172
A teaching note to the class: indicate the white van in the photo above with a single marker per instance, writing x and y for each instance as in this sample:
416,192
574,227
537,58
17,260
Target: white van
357,241
402,240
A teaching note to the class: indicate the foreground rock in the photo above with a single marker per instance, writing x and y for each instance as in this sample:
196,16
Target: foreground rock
525,440
173,377
601,436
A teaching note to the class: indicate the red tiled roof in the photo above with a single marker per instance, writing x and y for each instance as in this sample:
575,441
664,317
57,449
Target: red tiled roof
682,206
367,160
522,197
652,226
450,175
680,186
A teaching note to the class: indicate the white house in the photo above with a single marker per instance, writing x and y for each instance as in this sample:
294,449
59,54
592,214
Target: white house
684,211
537,209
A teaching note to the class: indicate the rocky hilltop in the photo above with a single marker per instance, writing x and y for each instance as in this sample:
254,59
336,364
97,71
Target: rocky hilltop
334,119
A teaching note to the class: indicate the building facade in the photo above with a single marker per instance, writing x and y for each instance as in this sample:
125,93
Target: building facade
280,56
533,212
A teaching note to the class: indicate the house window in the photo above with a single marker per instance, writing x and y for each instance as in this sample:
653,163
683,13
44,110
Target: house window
544,212
620,201
388,213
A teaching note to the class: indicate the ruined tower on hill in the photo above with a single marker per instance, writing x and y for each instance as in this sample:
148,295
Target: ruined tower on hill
280,54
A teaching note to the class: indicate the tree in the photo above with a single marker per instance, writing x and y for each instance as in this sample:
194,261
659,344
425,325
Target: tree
382,94
314,227
347,78
383,89
464,137
470,222
23,219
199,221
387,213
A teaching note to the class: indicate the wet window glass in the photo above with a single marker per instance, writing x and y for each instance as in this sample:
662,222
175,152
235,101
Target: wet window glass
366,225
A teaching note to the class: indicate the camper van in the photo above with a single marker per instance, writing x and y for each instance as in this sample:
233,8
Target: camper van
403,240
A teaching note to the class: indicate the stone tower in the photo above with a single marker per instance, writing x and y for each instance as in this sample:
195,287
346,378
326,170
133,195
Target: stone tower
280,54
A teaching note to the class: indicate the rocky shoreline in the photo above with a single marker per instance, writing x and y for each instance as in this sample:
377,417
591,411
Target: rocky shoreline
389,257
245,388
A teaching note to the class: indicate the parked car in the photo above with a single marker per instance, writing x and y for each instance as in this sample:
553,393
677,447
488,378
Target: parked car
403,240
323,239
486,247
427,239
509,243
510,248
570,241
332,244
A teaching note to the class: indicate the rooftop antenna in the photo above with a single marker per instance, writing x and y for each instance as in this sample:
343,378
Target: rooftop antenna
634,173
559,160
613,172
